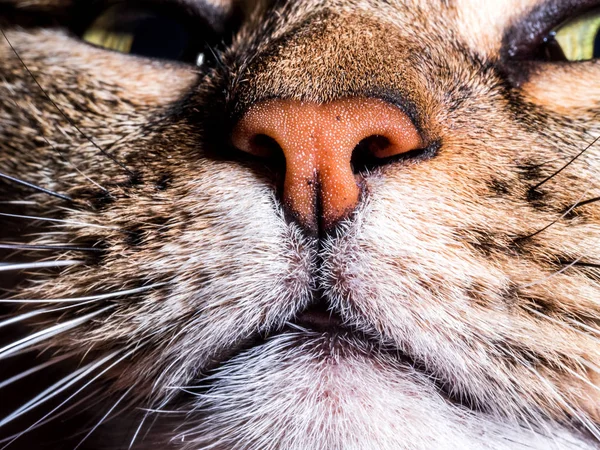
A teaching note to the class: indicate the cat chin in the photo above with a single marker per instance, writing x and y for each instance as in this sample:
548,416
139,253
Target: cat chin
324,391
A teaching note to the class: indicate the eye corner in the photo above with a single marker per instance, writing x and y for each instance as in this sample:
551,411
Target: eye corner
554,32
139,28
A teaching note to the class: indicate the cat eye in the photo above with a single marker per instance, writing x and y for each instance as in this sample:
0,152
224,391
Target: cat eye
575,40
149,32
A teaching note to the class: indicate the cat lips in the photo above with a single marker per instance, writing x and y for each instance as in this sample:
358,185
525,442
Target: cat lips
320,317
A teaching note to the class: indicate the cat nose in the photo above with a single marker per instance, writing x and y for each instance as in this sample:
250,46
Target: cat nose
318,142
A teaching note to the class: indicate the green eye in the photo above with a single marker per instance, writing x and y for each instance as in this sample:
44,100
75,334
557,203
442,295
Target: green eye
146,32
576,40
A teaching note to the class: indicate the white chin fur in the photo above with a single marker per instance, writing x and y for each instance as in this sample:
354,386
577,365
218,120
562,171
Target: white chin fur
301,392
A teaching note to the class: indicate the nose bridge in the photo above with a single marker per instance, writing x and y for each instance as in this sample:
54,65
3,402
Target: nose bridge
313,95
328,56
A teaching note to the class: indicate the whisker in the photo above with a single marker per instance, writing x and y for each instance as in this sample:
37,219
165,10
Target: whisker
586,264
582,325
149,428
39,312
571,161
593,367
18,202
128,354
93,395
65,248
48,219
73,124
38,265
43,335
563,324
585,202
562,216
583,419
22,317
35,187
62,156
88,298
581,378
33,370
161,411
104,417
57,388
297,327
137,431
558,272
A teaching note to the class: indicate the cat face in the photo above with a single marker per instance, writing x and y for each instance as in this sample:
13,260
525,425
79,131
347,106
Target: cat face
179,274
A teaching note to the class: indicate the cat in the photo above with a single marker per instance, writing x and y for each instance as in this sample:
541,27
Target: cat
299,224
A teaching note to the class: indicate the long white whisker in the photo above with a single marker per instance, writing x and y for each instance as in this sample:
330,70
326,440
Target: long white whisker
47,219
568,266
585,421
73,395
139,428
162,411
47,333
583,325
88,298
33,370
104,417
73,165
19,202
93,394
582,378
22,317
589,365
137,431
39,312
560,323
38,265
55,389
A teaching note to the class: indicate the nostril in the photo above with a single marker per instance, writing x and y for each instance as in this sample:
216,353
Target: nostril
378,146
378,150
264,146
371,152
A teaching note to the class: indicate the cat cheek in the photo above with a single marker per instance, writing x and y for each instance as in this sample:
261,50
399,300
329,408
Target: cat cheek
139,81
582,388
591,397
547,87
481,24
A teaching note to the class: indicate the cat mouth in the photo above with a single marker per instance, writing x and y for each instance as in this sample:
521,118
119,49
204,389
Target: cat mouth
323,323
320,317
320,320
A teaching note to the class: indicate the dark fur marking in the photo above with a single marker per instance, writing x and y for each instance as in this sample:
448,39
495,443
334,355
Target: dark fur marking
98,199
458,96
164,182
160,224
514,298
499,187
530,171
488,243
541,305
96,258
134,237
536,198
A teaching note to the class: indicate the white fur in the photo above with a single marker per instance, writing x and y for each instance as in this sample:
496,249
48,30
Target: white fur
302,391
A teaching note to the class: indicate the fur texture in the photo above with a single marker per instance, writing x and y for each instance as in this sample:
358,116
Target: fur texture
469,277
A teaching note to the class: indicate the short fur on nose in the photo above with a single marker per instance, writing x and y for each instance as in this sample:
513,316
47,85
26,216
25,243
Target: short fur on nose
318,141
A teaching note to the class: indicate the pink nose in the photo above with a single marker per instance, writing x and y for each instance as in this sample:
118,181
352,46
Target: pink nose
318,141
